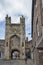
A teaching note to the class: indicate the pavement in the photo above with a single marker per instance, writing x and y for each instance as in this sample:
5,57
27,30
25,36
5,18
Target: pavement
16,62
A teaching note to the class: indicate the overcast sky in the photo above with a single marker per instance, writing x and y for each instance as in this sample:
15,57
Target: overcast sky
15,8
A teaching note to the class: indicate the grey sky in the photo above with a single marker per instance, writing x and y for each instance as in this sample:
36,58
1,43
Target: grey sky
16,8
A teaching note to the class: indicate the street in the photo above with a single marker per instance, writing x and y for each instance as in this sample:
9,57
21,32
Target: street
16,62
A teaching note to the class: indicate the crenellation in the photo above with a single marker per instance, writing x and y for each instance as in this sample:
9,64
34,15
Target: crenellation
14,38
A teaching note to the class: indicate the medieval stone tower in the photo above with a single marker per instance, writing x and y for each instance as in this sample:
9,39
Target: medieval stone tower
14,39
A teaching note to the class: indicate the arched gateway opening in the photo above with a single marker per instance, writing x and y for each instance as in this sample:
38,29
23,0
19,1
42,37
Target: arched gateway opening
15,45
15,54
28,53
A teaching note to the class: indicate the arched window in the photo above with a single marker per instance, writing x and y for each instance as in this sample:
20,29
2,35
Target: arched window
37,27
0,54
42,3
22,44
6,43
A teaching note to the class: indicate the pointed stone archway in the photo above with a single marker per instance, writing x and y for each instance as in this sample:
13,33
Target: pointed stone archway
14,41
15,54
14,47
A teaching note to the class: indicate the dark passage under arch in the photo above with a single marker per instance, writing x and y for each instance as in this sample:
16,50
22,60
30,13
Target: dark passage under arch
28,53
15,54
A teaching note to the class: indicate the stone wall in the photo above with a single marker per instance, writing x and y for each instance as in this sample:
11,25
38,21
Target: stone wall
13,30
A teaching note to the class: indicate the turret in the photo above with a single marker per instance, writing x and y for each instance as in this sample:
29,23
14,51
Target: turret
22,20
22,24
8,19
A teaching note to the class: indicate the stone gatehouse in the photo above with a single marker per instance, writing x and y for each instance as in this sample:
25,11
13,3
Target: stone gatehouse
13,46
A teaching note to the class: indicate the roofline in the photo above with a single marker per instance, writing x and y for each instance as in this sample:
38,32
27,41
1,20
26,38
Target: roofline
2,39
15,24
28,41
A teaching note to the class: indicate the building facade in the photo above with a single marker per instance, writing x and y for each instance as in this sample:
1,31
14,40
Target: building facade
14,43
28,48
37,34
2,49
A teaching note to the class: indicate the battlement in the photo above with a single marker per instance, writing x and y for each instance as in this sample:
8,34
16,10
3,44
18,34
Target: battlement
8,19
